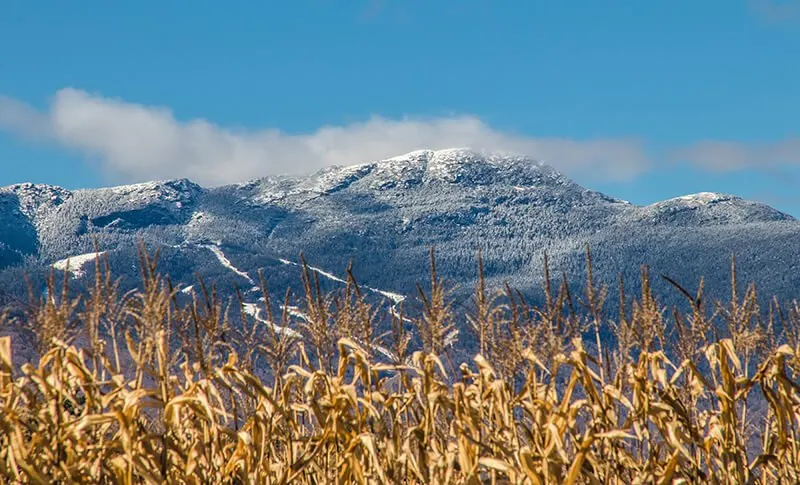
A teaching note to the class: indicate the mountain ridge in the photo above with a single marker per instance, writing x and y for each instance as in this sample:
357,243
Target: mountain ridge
384,215
445,165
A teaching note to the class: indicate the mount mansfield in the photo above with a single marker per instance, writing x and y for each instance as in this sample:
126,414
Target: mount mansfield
384,216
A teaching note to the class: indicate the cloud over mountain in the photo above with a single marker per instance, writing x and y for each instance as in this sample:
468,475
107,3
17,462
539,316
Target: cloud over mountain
724,156
133,142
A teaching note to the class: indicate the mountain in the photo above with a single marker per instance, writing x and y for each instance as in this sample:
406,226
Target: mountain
385,215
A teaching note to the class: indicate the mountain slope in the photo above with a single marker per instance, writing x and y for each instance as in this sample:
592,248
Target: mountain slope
385,215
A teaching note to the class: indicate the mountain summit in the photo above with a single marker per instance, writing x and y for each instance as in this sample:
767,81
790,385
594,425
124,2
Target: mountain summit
464,165
422,167
711,208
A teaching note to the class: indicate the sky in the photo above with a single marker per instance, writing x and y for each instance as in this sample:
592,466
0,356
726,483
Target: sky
641,100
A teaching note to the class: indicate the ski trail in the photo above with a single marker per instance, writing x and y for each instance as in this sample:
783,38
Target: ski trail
75,264
319,271
395,297
326,274
393,311
254,311
224,261
295,312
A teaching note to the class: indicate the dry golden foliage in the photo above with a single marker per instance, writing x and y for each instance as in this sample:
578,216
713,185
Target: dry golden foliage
129,409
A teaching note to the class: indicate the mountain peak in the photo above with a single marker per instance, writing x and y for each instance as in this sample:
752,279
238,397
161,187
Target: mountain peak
34,199
703,198
711,207
463,165
463,154
455,152
178,191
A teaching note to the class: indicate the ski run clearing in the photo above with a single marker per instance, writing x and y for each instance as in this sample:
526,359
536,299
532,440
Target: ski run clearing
394,297
75,264
224,261
255,311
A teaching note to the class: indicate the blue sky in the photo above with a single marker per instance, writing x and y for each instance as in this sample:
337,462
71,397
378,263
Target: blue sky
642,100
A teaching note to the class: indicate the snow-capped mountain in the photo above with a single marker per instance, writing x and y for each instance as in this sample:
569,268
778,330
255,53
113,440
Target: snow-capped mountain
384,216
710,208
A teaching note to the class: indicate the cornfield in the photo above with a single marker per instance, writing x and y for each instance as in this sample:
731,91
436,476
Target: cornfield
138,388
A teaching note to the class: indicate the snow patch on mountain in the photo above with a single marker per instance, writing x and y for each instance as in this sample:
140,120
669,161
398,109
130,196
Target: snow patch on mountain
75,264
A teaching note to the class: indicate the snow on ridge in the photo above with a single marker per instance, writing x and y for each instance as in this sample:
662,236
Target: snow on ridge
696,200
75,264
128,188
410,155
494,157
410,168
461,164
457,154
173,184
31,187
178,191
704,197
324,182
700,197
37,199
716,208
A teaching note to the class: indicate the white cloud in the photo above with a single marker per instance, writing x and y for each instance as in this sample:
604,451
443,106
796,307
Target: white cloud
726,156
22,119
132,142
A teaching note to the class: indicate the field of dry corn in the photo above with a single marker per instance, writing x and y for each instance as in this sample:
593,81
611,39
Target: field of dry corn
143,388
